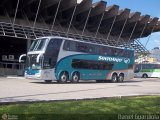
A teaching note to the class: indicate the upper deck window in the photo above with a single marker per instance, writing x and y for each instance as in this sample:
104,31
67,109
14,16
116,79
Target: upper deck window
38,44
96,49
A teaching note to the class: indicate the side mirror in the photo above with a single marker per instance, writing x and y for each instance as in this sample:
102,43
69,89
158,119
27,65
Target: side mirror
38,58
21,56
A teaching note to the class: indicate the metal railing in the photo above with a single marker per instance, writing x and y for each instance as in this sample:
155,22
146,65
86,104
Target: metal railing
7,68
27,32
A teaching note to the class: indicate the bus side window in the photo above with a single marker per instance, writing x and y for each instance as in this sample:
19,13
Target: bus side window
51,53
121,53
66,45
49,61
115,52
158,66
103,51
112,52
81,47
92,49
106,51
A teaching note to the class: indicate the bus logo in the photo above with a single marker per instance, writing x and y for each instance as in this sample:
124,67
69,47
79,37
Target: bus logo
126,60
112,59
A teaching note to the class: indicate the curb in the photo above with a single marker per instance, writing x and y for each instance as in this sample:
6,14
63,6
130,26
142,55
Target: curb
101,98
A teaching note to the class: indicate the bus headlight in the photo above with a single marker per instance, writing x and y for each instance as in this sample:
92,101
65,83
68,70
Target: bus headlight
37,74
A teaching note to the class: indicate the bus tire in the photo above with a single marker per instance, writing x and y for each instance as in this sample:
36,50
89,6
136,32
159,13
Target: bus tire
63,77
48,81
114,78
75,77
144,76
121,78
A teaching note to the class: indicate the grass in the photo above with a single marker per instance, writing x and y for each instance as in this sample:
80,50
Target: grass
85,109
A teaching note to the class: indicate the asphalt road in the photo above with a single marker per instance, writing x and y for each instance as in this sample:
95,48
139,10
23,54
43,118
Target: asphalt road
20,89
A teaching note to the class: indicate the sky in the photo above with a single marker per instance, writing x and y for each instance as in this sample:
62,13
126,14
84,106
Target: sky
150,7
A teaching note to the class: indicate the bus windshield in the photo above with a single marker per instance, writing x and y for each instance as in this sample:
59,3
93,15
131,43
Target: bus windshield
31,62
38,44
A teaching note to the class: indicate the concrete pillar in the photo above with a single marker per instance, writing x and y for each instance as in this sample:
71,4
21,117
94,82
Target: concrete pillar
28,44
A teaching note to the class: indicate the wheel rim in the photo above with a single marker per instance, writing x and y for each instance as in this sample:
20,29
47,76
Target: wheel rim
64,78
121,78
75,78
145,76
114,78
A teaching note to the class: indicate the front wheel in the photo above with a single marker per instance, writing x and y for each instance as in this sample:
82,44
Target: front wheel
63,77
75,78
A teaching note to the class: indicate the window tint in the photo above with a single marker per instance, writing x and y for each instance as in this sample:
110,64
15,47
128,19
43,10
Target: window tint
157,66
38,44
34,43
51,54
150,66
81,47
41,45
96,49
90,64
106,51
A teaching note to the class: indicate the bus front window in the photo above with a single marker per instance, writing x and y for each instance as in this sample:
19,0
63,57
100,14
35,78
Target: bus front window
31,62
38,44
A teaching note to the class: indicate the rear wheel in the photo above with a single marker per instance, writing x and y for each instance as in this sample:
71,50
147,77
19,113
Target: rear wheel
114,78
75,78
144,76
121,78
63,77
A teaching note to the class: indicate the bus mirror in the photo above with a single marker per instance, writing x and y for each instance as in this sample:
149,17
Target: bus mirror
20,58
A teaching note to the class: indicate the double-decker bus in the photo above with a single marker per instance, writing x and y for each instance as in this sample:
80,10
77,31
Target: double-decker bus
146,70
66,59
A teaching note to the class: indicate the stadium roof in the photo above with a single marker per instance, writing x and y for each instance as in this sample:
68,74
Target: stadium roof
79,18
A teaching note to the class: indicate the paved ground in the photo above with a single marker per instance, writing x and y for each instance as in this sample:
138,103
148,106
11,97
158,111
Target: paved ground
20,89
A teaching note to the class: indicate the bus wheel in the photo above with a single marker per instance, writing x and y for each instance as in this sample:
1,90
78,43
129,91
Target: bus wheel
63,77
121,78
75,78
48,81
144,76
114,78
